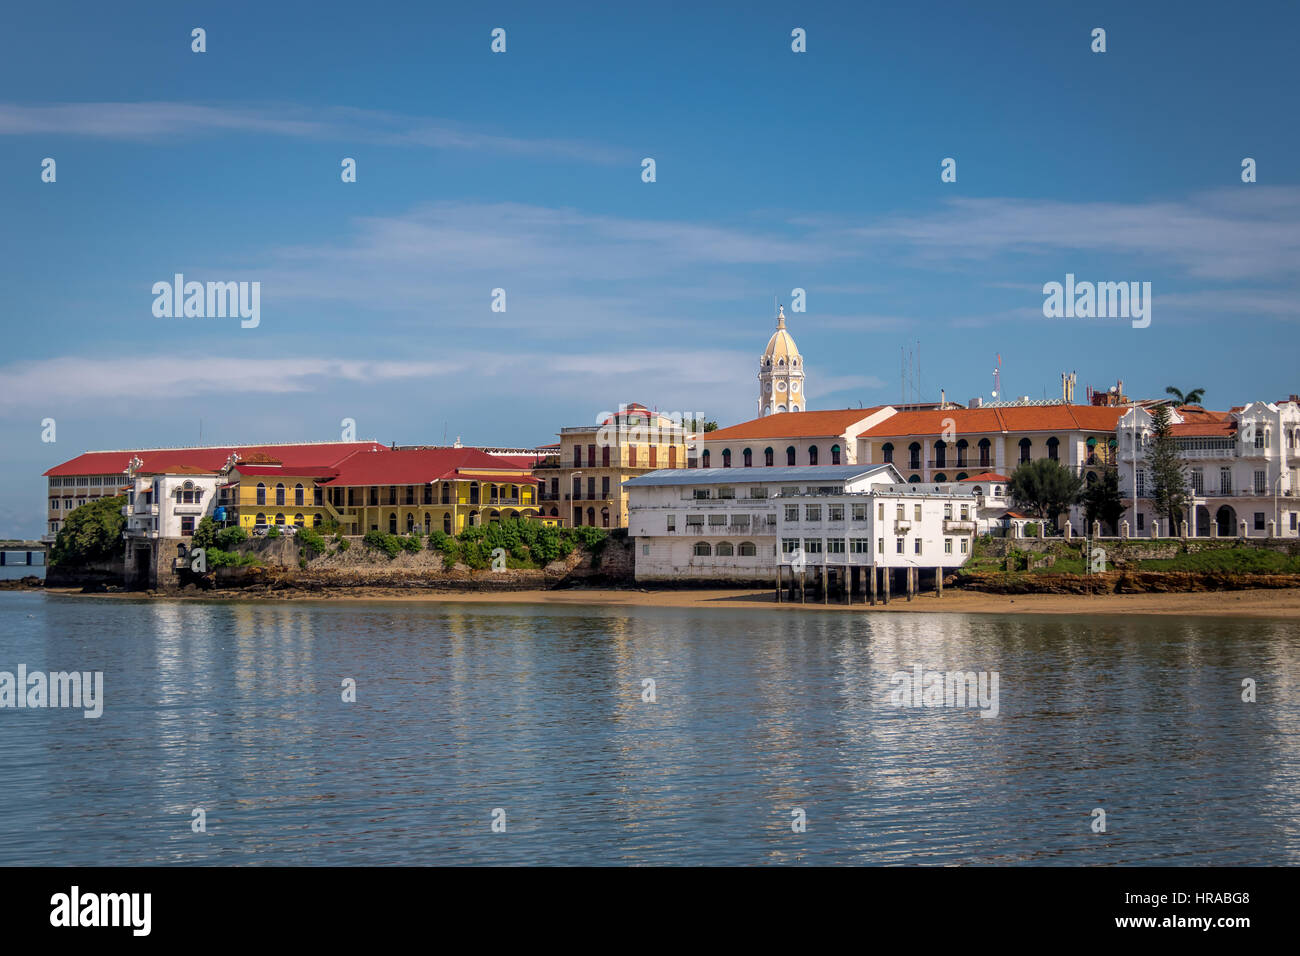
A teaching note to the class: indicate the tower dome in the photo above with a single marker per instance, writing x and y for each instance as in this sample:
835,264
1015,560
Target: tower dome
780,373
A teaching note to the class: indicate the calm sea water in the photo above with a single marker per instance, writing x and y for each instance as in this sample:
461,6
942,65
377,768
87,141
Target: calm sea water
462,709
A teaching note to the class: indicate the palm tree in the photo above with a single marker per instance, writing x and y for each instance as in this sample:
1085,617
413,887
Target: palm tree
1193,397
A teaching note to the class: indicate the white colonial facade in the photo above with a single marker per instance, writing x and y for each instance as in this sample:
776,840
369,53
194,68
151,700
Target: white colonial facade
721,524
1243,469
169,505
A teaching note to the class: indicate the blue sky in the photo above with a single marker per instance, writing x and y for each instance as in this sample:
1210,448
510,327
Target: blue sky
521,170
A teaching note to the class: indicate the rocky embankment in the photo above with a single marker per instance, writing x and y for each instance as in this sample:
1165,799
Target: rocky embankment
1120,582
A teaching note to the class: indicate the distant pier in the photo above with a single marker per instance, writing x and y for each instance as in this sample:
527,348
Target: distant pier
23,553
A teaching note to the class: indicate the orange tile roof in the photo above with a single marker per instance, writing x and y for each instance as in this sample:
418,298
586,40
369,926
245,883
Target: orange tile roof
212,458
825,424
987,476
1204,429
1017,418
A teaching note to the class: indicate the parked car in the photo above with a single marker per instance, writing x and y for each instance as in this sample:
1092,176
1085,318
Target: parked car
287,529
260,530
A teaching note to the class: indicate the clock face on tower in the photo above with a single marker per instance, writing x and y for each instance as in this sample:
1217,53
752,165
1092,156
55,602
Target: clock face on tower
780,386
794,386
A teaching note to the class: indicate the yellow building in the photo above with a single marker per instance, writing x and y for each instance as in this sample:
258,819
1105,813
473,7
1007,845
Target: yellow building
260,493
582,482
445,489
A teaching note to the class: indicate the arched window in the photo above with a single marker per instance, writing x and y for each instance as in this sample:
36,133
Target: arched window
747,549
315,520
297,494
940,454
392,522
1054,448
887,452
410,522
261,518
794,408
473,492
1024,449
985,445
789,455
428,523
604,456
279,494
768,457
835,454
978,491
962,445
962,476
702,549
279,519
749,457
914,480
446,523
726,458
812,454
914,455
704,459
446,493
261,495
591,516
604,517
940,477
297,520
725,550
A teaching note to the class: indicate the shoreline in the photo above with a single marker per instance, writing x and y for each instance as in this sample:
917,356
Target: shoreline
1280,603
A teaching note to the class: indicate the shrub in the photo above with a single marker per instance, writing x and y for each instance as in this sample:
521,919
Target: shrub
230,559
411,544
205,534
312,540
343,543
382,541
229,538
273,531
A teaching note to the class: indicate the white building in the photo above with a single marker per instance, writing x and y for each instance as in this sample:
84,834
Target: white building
1243,465
170,503
740,526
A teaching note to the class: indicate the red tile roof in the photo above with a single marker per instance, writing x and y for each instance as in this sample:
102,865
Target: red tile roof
211,458
421,466
987,476
1017,418
1204,429
312,471
826,424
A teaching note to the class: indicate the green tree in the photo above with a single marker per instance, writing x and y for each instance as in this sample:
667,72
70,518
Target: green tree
1194,397
92,532
1167,469
1102,501
1045,487
205,535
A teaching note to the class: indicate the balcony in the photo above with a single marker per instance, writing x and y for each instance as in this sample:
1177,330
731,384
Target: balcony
902,526
953,526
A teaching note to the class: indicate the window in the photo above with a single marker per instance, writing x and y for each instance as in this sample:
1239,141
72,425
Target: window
789,455
317,495
1259,521
279,494
789,545
1141,521
758,492
916,512
695,521
834,512
747,549
577,456
1261,483
1141,483
702,493
725,550
859,545
702,549
717,520
916,546
604,456
947,545
900,512
834,545
297,520
632,456
887,453
591,456
604,487
812,512
672,522
880,511
947,512
298,498
914,456
880,546
1054,448
965,545
187,526
726,458
812,455
812,545
591,487
749,457
791,512
940,454
768,457
727,493
1198,481
1259,437
898,545
1225,481
261,493
961,454
984,453
704,459
788,490
965,512
1024,450
835,454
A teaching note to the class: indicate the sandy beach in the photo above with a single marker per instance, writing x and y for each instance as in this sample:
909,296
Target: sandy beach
1263,603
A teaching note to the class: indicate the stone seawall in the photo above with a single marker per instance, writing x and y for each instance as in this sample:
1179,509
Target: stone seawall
1121,582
